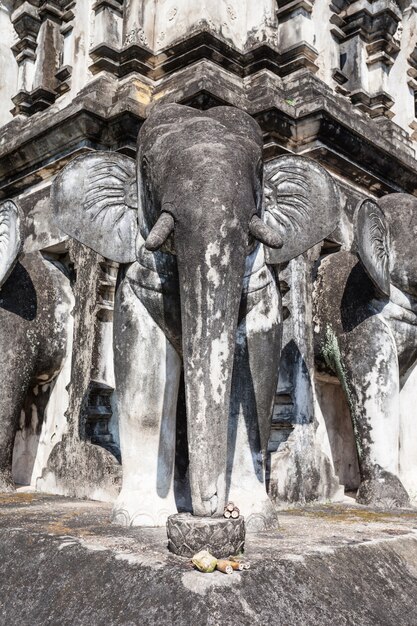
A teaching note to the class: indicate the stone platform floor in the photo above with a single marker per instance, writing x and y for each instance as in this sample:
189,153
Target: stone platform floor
63,562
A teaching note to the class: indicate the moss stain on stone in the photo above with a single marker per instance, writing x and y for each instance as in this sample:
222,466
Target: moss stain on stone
333,359
351,515
59,526
17,498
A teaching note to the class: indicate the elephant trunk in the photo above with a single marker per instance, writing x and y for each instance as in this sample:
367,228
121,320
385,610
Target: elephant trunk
211,273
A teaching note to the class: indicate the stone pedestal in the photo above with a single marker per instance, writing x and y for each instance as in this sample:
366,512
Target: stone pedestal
221,537
70,566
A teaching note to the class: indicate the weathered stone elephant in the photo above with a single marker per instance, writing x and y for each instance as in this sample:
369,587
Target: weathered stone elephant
366,331
195,291
35,304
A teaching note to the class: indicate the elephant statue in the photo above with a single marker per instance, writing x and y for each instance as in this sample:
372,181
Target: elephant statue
195,230
35,305
366,335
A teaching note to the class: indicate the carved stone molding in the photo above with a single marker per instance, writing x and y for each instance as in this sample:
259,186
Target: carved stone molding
187,535
64,72
297,50
300,116
373,20
43,73
376,106
115,5
370,29
412,83
63,76
393,132
202,46
286,8
30,102
108,15
26,22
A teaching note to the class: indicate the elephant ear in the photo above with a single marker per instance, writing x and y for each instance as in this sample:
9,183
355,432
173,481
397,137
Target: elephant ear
300,203
94,200
372,243
11,238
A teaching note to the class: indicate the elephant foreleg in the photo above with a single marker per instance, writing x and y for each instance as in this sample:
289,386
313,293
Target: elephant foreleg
147,371
255,374
15,384
371,381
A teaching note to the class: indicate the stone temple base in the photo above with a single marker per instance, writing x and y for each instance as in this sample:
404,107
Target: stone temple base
221,537
62,562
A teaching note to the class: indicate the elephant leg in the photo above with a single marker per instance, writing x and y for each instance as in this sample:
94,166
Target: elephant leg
371,383
147,371
255,375
15,379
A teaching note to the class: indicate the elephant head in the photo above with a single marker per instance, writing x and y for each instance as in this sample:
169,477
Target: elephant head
11,238
199,191
385,232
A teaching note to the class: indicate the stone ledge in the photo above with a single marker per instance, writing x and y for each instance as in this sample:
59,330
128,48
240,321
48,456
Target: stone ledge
204,45
62,562
298,114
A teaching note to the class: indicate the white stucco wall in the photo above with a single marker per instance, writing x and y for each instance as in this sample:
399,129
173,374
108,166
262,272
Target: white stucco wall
8,65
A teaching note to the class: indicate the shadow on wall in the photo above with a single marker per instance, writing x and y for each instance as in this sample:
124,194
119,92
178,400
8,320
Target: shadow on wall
338,423
18,296
27,437
182,491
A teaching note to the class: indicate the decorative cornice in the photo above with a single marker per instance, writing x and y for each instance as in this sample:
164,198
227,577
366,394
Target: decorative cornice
286,8
301,116
376,105
51,10
27,20
377,25
115,5
375,22
412,83
202,46
28,103
412,61
63,76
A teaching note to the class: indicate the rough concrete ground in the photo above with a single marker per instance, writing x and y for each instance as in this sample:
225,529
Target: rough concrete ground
62,562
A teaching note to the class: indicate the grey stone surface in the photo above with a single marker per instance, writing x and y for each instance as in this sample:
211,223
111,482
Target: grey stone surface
199,200
188,534
62,561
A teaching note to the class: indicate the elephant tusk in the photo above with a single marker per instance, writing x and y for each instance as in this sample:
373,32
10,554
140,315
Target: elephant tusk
264,233
160,232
